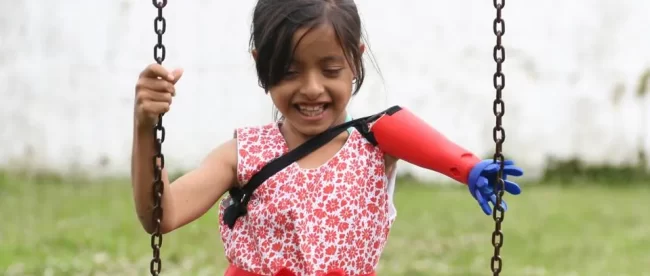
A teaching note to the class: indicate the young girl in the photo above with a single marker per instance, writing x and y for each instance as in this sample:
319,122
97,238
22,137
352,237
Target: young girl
328,213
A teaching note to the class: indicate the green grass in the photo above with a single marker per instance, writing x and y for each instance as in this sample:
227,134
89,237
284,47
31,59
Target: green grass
91,229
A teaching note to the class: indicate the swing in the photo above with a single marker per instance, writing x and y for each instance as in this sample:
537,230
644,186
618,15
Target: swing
498,135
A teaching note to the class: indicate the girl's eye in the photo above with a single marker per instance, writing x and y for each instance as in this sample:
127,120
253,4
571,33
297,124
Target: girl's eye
332,72
290,74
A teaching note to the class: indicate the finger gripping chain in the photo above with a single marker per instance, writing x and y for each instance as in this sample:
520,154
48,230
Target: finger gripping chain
498,135
158,160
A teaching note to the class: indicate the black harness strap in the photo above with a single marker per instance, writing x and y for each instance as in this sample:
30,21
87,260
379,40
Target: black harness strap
241,196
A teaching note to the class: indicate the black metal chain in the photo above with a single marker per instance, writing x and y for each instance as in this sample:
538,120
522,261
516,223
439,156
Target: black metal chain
159,52
499,136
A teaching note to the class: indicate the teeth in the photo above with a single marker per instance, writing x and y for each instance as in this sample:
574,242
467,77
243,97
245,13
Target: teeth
311,107
311,110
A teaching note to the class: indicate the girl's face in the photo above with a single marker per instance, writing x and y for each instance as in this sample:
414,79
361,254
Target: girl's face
316,91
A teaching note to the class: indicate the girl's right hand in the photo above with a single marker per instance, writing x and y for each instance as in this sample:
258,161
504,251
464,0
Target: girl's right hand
153,94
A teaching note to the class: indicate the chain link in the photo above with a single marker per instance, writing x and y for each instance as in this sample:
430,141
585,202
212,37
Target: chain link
159,52
499,136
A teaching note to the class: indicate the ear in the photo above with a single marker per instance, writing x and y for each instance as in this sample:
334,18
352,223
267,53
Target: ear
254,54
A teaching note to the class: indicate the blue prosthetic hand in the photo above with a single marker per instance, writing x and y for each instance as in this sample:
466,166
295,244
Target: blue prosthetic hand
483,177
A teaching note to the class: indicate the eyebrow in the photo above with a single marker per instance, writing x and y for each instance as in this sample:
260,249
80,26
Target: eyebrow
332,58
326,59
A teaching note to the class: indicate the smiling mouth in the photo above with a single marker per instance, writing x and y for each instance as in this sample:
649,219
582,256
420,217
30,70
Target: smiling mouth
311,110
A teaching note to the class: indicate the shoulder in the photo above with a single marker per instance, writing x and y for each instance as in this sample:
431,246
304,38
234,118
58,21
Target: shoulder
390,161
228,150
258,139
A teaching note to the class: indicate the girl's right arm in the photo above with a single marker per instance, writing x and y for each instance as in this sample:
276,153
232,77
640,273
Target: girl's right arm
191,195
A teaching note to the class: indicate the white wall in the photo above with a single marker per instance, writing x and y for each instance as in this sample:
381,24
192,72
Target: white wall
68,68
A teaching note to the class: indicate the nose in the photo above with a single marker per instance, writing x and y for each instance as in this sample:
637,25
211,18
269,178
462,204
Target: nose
312,86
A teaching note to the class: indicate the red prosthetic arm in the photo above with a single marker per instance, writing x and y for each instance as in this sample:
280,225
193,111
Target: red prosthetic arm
403,135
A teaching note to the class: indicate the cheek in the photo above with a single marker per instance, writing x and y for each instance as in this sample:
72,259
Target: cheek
341,92
341,89
281,97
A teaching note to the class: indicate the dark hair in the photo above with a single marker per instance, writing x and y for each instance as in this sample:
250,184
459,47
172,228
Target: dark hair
276,21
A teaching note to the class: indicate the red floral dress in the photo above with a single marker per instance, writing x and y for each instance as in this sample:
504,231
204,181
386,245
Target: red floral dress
310,221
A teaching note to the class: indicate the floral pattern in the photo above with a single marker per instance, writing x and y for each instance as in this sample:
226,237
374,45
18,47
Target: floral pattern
310,221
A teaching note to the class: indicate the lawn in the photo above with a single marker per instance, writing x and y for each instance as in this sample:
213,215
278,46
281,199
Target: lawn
91,229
